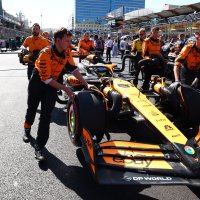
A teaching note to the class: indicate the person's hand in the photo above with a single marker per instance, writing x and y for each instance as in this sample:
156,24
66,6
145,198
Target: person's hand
69,92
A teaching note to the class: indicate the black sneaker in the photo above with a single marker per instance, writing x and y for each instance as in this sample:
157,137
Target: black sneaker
38,155
26,137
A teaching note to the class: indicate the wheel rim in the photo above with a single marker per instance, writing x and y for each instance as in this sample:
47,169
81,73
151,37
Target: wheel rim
72,121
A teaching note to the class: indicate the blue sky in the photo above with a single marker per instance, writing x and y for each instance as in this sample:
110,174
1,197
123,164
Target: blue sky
55,13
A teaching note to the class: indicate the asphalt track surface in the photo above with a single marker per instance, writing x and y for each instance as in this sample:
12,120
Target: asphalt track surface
63,176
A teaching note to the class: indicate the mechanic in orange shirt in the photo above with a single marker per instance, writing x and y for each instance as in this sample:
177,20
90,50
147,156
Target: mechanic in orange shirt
43,86
85,44
151,49
34,43
187,64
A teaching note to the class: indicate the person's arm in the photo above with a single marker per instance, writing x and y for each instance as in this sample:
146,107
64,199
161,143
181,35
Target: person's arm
144,48
79,45
177,72
59,86
133,47
180,60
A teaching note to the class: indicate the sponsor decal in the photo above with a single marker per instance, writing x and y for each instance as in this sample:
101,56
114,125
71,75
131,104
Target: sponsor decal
88,142
136,161
160,120
154,113
147,105
123,85
168,128
177,135
189,150
151,178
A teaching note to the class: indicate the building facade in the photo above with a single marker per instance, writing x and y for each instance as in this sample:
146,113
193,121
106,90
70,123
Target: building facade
94,11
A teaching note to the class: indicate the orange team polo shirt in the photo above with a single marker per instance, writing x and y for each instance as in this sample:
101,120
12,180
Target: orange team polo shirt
35,43
50,65
151,47
190,55
86,45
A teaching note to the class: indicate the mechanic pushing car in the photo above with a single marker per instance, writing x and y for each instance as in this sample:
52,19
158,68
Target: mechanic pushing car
35,43
43,86
151,49
187,64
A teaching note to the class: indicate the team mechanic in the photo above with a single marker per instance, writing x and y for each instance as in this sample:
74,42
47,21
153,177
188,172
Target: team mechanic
151,48
85,45
35,43
136,50
187,64
43,86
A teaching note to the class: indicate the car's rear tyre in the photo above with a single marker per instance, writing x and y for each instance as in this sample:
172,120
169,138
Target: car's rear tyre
87,110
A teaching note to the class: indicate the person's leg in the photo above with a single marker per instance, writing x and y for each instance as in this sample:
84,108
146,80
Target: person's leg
30,71
47,104
147,77
136,69
122,54
34,96
107,54
183,72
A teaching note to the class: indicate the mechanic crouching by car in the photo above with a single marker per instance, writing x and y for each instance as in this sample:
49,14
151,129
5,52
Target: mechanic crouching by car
187,64
151,50
43,86
35,43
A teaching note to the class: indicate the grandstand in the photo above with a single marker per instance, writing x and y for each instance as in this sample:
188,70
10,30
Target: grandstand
12,27
172,20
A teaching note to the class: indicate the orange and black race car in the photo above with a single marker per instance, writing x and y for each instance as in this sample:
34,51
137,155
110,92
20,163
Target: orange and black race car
151,149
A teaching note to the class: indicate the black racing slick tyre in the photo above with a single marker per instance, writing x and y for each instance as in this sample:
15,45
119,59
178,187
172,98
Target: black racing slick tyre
86,110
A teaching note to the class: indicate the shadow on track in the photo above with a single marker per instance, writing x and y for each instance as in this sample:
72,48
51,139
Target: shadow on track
195,190
58,116
79,180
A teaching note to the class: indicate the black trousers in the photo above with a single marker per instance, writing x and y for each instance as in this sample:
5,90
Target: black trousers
136,73
122,53
187,76
30,70
155,69
39,92
108,53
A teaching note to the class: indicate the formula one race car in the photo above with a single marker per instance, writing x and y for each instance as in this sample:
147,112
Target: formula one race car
169,157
